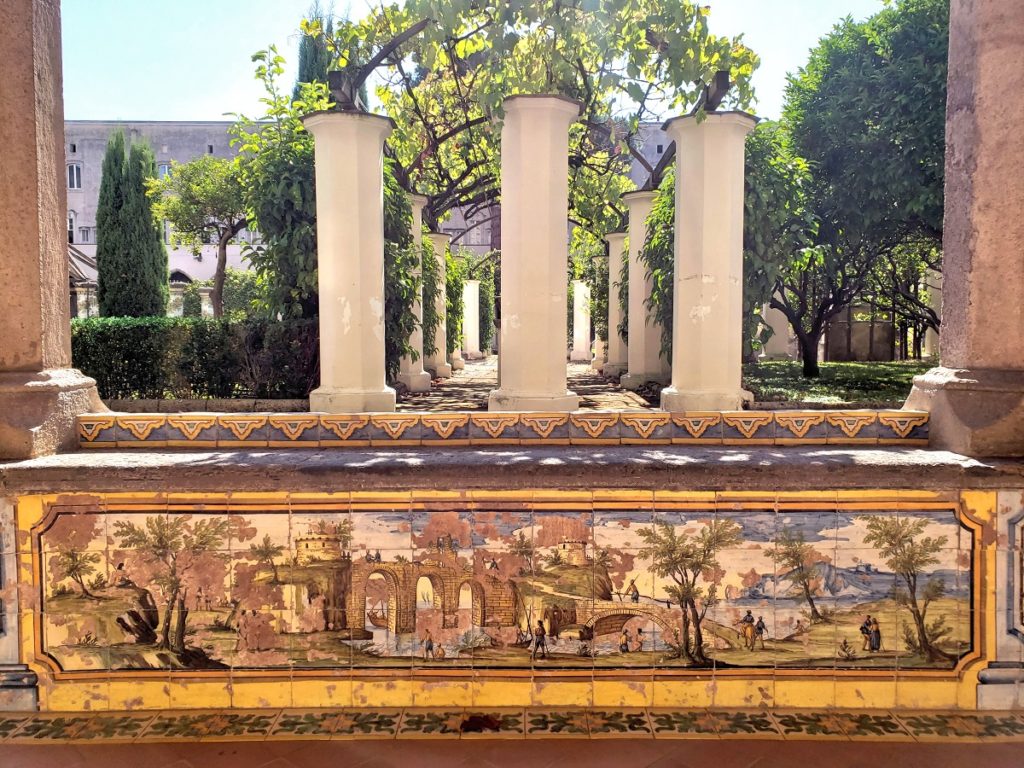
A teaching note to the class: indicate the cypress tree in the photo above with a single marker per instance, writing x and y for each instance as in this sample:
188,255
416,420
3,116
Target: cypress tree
130,256
314,58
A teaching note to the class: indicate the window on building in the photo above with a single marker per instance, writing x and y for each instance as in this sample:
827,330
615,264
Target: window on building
74,175
163,170
209,149
71,227
661,148
83,234
73,147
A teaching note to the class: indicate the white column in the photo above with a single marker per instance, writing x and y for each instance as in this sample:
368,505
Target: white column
438,362
777,346
471,319
534,254
206,301
643,360
580,322
707,311
617,353
600,355
933,282
350,245
410,372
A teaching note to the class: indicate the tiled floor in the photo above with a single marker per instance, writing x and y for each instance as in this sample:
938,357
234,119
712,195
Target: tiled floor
542,753
469,388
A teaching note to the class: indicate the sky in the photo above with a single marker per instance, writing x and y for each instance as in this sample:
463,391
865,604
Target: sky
191,59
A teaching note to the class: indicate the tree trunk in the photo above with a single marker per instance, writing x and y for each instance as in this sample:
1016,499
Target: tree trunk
698,634
165,625
85,590
273,565
217,294
179,627
809,355
815,616
684,644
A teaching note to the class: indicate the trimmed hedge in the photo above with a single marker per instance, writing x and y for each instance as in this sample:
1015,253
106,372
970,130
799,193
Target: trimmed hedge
196,358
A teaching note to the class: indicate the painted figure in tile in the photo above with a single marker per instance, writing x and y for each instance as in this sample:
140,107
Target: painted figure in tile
539,644
875,636
624,641
428,646
865,631
760,629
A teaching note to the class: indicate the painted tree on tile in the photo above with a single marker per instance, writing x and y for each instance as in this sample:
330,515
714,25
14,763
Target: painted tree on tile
179,549
685,560
792,552
908,553
265,552
76,564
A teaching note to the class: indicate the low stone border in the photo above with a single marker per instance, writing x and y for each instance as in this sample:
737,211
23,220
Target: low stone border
318,430
497,723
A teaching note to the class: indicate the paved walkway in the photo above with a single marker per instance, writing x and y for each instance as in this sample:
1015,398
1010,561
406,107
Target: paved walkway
469,388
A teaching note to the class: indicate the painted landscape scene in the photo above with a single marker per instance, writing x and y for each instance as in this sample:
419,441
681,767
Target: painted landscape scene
506,588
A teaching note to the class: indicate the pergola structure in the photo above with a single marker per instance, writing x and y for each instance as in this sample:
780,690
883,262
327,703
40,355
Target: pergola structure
531,459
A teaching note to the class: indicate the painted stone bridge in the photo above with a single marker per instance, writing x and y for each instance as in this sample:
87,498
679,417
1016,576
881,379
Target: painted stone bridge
493,599
604,617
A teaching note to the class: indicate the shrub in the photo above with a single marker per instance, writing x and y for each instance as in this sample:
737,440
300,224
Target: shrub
197,358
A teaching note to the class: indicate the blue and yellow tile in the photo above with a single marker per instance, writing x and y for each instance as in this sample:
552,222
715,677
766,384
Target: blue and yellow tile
242,430
645,428
293,430
696,428
395,429
97,431
544,429
903,428
852,427
594,428
192,430
347,430
748,427
497,428
800,428
445,429
141,430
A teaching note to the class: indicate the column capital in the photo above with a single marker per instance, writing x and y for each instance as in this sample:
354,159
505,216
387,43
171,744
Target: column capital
615,237
550,102
418,201
365,120
639,197
682,124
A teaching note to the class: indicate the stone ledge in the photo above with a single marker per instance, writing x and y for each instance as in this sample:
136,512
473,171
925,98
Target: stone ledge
449,429
758,468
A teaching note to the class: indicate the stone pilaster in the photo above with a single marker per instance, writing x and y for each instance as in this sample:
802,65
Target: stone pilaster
437,363
535,204
617,353
411,372
976,397
643,360
580,322
350,259
40,393
471,319
707,314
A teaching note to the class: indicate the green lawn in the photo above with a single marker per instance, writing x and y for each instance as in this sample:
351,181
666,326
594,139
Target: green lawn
875,384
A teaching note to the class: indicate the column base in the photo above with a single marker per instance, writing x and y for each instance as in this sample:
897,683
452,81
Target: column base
473,355
18,689
440,370
581,356
416,382
611,370
673,399
328,400
458,364
504,400
38,410
975,412
999,686
633,381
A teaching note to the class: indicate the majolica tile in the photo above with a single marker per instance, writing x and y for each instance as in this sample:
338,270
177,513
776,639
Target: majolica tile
366,724
446,429
852,427
242,430
305,724
927,726
192,430
749,724
694,723
345,430
903,428
494,724
494,428
622,723
10,723
820,725
144,430
872,726
97,431
697,427
800,428
594,428
48,727
431,723
555,723
175,726
293,430
748,427
645,428
544,429
395,429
